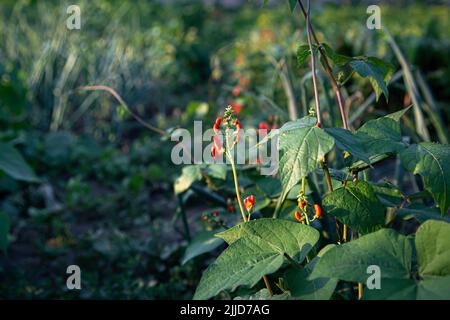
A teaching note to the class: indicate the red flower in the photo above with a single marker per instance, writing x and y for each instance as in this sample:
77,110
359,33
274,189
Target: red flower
302,204
263,125
216,213
236,91
249,202
216,126
238,128
237,107
298,216
238,125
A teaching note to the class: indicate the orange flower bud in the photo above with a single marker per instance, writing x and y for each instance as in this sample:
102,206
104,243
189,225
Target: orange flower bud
318,211
249,202
298,216
237,107
302,204
216,126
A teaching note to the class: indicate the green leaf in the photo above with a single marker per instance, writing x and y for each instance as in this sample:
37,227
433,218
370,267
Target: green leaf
275,232
257,248
421,213
304,122
292,4
380,136
434,289
433,248
303,288
393,289
392,252
399,114
189,175
300,153
378,72
303,53
385,248
408,289
347,141
218,171
4,228
389,194
431,161
13,164
270,186
357,206
337,59
122,112
203,242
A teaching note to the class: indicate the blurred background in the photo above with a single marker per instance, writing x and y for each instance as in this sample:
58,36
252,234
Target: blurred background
96,186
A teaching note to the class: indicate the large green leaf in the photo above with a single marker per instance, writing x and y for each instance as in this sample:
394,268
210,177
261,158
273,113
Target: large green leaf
13,164
409,289
302,288
357,206
381,135
259,250
203,242
377,71
337,59
300,153
347,141
389,194
392,252
275,232
385,248
433,248
304,122
431,161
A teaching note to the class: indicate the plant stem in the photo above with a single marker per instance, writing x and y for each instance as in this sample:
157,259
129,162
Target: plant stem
267,283
123,103
313,65
327,67
360,291
241,207
236,186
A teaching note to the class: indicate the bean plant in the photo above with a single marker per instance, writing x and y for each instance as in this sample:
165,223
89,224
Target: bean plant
342,242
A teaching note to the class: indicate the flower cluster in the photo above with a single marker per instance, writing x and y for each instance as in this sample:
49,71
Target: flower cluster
303,206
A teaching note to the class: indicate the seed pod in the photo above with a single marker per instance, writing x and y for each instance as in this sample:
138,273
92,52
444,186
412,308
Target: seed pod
317,210
249,202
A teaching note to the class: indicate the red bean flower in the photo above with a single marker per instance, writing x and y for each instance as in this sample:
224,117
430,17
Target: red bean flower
236,91
318,211
217,124
298,216
249,202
